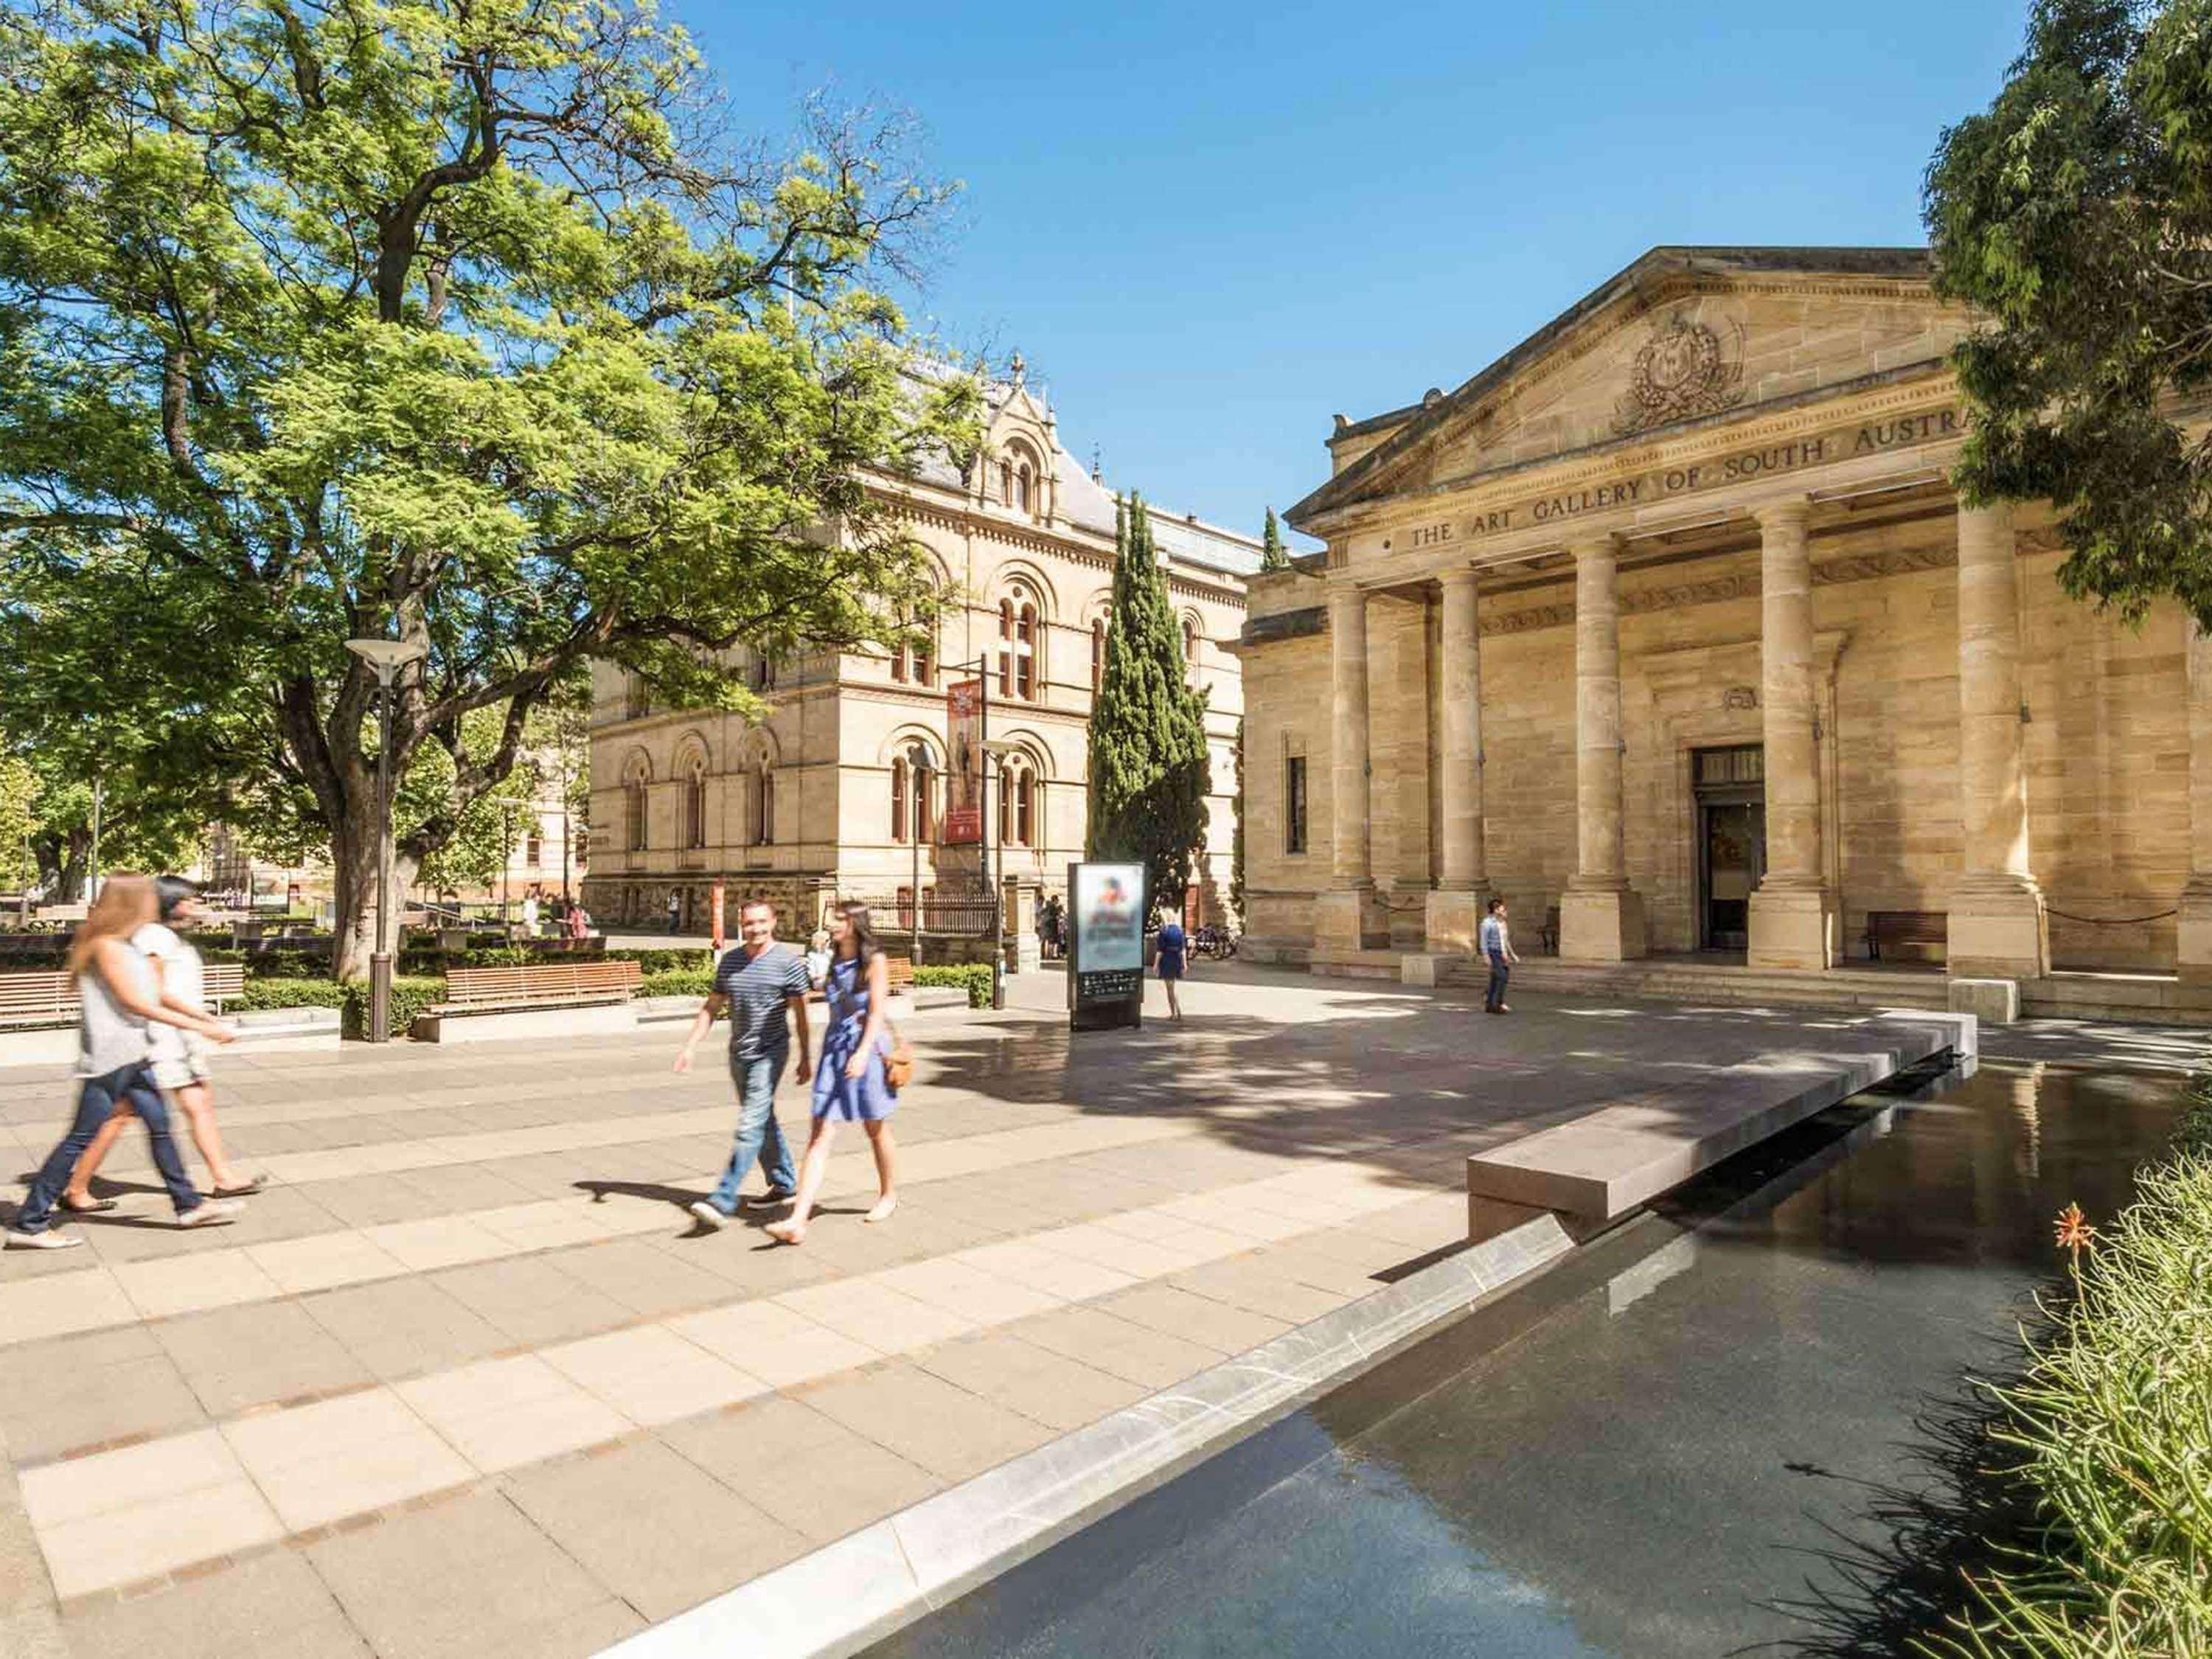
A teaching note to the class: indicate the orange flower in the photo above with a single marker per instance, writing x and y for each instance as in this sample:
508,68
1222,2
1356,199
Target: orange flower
2074,1230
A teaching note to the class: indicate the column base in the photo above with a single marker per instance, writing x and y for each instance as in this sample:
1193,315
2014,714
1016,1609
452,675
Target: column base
2192,942
1350,918
1998,929
1605,925
1793,927
1453,922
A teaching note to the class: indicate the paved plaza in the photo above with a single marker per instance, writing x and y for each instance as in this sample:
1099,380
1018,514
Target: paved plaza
466,1379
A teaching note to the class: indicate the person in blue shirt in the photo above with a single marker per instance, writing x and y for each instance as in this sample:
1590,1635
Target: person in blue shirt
1494,942
1174,957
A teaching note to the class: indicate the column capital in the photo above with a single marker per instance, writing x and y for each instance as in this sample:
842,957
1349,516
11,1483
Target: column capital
1591,542
1458,578
1996,513
1791,511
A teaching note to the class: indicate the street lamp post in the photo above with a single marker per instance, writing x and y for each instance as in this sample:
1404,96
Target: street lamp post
917,811
388,658
996,749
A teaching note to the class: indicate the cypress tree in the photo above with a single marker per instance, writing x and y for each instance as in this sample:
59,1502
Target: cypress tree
1148,772
1273,554
1237,852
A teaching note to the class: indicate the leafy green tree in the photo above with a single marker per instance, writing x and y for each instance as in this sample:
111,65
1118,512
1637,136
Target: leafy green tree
1149,776
19,793
1273,554
2076,213
459,322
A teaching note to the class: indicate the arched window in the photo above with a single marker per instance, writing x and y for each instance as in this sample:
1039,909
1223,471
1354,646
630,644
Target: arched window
898,660
764,806
1025,809
763,672
901,798
637,705
695,804
1021,482
1190,642
1006,647
1026,641
925,661
634,808
1006,483
1097,656
925,822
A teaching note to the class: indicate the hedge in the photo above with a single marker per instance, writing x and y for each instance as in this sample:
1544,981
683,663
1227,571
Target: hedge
677,983
288,993
665,962
975,976
411,995
2107,1437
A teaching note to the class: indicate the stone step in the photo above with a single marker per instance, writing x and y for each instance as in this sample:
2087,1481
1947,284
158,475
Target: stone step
1598,1168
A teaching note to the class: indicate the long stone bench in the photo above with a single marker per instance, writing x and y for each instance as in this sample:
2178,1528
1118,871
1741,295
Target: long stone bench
550,1000
1601,1166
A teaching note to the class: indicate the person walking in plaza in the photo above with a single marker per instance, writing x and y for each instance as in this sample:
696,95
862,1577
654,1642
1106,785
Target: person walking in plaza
675,910
1174,962
1496,940
180,1057
119,1002
851,1085
763,985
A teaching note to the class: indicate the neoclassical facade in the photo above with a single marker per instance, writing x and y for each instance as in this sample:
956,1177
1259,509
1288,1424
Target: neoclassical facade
1668,627
841,789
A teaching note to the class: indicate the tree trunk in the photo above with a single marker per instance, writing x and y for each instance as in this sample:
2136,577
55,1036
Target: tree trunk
352,864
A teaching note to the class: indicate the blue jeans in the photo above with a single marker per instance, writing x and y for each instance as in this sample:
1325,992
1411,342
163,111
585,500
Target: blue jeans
1495,996
134,1085
759,1135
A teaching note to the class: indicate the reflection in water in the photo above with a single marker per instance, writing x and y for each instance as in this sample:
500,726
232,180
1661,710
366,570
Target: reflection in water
1658,1463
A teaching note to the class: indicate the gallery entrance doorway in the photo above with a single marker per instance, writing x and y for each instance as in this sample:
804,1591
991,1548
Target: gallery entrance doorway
1730,786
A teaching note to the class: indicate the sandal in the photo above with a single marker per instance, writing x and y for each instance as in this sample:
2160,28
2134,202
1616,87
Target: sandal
246,1190
95,1207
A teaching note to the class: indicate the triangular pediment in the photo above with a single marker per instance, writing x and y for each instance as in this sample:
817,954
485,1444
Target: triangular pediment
1683,335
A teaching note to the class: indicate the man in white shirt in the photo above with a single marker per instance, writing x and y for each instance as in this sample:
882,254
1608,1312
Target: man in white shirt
1495,941
180,1057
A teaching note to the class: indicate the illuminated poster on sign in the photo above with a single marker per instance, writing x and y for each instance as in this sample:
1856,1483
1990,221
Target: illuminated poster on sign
1107,904
964,784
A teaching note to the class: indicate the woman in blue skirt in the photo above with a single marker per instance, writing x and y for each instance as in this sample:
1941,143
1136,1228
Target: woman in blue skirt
849,1085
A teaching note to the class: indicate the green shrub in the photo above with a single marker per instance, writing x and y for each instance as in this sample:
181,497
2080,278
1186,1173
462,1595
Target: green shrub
411,995
681,982
974,976
288,993
2110,1428
665,962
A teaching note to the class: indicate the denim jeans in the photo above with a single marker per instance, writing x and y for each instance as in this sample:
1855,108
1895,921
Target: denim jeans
1495,997
759,1135
133,1085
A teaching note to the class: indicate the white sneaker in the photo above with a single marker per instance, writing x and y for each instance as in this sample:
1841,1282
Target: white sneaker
709,1215
212,1212
18,1240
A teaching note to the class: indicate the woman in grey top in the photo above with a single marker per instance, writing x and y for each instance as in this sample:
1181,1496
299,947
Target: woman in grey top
119,999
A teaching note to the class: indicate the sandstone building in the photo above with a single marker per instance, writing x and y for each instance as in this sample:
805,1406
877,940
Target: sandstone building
841,790
1669,623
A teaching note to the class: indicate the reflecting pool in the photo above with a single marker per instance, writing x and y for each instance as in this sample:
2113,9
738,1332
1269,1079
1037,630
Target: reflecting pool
1659,1449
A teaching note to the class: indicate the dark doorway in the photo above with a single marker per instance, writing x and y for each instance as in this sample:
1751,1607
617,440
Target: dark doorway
1730,786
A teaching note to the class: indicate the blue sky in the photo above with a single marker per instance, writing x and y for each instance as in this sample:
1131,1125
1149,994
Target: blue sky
1209,228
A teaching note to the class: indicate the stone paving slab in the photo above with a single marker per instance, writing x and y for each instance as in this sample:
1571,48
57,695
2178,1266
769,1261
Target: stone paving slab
467,1379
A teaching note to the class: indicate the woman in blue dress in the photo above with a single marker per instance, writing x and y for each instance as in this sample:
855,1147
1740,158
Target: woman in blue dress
849,1085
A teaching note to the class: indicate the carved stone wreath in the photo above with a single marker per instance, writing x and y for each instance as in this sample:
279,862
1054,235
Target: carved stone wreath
1681,372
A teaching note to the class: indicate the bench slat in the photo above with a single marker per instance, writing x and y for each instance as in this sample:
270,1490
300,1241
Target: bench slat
552,982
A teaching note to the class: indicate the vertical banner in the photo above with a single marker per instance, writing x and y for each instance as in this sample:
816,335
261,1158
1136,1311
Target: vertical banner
963,733
715,913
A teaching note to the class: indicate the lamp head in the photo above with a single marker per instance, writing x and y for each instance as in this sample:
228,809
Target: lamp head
388,657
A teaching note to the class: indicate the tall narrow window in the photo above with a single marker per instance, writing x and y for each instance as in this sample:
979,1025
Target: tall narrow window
925,654
1005,807
1189,651
1025,805
633,809
1025,629
900,800
925,823
764,806
695,804
1006,483
533,849
1006,647
898,660
1022,487
635,704
1097,656
1294,804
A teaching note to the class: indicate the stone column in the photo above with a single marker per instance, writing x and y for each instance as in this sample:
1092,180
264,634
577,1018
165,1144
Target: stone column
1348,916
1792,913
1455,905
2193,931
1601,916
1998,926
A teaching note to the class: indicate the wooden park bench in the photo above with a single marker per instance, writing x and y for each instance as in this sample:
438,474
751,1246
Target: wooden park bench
541,985
898,973
52,998
1895,927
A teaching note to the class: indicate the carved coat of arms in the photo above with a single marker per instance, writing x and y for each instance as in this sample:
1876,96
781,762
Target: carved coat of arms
1684,370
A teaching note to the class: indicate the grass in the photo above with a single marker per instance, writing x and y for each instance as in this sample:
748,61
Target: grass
2107,1437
